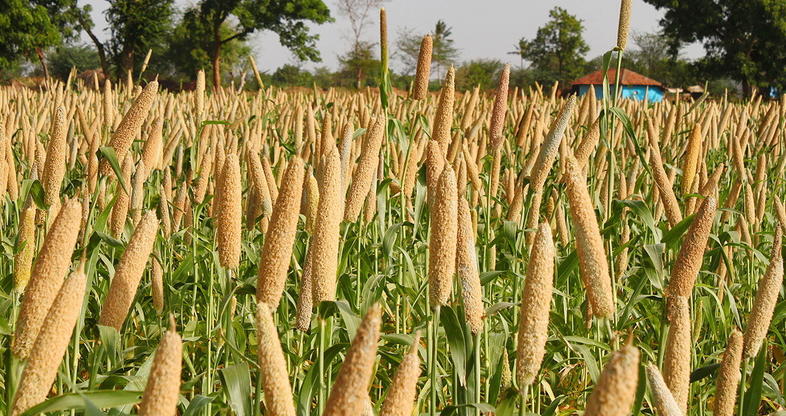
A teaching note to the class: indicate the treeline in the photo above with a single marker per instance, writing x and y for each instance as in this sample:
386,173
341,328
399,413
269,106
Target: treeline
42,37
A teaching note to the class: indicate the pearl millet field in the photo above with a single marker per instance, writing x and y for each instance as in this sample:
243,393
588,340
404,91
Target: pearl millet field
309,252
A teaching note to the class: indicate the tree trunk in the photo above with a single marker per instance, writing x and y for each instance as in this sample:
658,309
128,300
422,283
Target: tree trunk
126,60
216,57
99,46
42,59
746,88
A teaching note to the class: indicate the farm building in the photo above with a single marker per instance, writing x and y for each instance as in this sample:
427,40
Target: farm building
634,85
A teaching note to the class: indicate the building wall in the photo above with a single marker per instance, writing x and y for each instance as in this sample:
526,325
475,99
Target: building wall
636,92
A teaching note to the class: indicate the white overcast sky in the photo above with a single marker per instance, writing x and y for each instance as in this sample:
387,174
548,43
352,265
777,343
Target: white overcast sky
481,29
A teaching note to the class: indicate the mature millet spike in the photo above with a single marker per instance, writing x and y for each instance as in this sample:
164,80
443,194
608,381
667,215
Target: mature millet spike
400,399
691,159
665,188
277,250
157,285
676,361
364,173
153,148
273,365
624,24
122,199
588,143
354,376
500,109
422,74
780,211
163,383
691,254
129,272
138,191
728,376
305,299
435,162
55,163
49,270
766,297
443,119
25,246
325,242
535,305
550,147
664,401
593,266
467,268
311,188
442,245
615,391
51,343
129,127
229,227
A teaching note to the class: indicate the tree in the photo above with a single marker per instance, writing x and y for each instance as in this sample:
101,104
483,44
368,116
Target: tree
653,57
27,27
357,12
359,66
137,26
443,52
482,72
190,45
65,57
742,40
290,75
287,18
557,51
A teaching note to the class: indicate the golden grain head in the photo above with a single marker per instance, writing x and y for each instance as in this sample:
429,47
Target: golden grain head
615,391
46,278
162,390
535,306
129,272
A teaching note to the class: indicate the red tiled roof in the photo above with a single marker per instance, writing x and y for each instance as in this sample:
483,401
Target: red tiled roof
627,77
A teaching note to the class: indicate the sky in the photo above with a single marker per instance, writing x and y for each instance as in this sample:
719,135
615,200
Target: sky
481,29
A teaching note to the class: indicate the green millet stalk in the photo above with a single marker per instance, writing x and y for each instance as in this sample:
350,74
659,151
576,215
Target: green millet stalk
46,278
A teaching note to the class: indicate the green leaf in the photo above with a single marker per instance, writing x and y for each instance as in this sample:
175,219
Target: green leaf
36,192
237,384
753,394
456,341
108,152
78,401
197,404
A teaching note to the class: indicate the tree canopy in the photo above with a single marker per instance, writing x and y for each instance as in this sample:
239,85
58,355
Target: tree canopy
287,18
557,51
743,40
